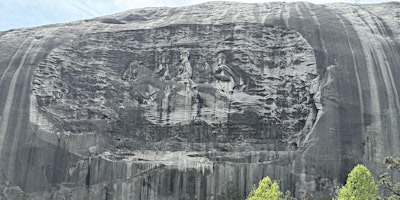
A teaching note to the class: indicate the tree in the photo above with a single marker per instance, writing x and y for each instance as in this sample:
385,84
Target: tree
360,185
385,179
266,190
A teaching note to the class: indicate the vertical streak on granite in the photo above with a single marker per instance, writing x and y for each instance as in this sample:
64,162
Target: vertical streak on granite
11,111
381,134
333,50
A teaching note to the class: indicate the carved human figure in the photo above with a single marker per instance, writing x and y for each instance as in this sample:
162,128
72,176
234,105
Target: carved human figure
185,72
203,71
226,78
163,68
184,69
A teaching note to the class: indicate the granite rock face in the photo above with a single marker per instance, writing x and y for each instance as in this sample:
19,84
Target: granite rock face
175,103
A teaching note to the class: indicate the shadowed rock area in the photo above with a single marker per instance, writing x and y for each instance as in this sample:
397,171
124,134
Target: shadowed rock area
175,103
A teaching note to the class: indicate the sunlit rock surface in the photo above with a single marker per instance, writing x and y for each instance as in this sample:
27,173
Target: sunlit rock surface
175,103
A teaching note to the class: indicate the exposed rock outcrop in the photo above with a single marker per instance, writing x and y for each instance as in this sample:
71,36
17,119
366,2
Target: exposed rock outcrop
174,103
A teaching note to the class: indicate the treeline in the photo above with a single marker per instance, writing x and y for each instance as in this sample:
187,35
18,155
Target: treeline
360,185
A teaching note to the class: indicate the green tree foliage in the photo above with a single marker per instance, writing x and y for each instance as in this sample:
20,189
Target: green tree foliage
385,179
359,185
268,189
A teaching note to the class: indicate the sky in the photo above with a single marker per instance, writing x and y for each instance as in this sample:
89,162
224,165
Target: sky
31,13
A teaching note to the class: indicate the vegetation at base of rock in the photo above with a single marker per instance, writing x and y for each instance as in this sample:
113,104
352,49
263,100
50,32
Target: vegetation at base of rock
386,181
268,189
287,196
359,185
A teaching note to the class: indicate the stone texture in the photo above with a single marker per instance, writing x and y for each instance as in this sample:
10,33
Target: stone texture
174,103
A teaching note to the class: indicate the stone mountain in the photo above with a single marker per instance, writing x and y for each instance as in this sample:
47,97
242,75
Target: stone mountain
175,103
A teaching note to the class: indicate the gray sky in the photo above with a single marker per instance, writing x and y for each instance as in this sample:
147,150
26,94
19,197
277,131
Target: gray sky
29,13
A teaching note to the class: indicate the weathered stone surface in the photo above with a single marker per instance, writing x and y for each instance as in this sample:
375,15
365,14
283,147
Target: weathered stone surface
174,103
